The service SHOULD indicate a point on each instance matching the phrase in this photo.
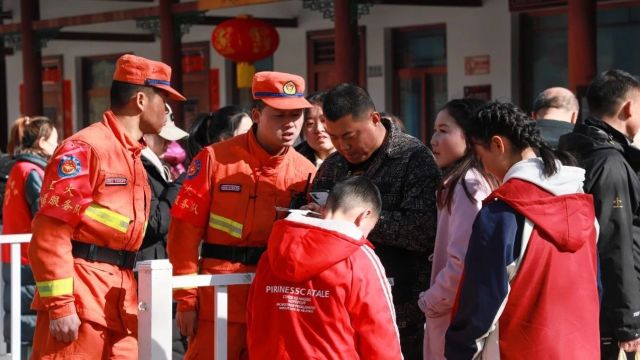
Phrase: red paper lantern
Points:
(245, 40)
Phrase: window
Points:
(97, 75)
(544, 47)
(420, 77)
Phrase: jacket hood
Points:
(301, 247)
(562, 214)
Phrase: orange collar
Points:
(130, 144)
(265, 159)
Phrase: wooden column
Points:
(31, 58)
(4, 109)
(171, 50)
(582, 44)
(346, 46)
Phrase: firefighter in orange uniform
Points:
(229, 200)
(93, 213)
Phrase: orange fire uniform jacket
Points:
(229, 198)
(94, 191)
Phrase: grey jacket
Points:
(407, 176)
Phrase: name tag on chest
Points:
(116, 181)
(230, 188)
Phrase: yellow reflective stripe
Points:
(227, 225)
(107, 217)
(55, 287)
(186, 288)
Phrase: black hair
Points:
(354, 191)
(508, 120)
(346, 99)
(121, 93)
(608, 90)
(544, 101)
(316, 99)
(258, 104)
(462, 111)
(210, 128)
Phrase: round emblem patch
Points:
(69, 166)
(289, 88)
(194, 169)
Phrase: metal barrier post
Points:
(16, 282)
(154, 309)
(220, 294)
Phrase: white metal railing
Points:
(155, 285)
(16, 282)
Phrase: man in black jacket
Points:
(404, 170)
(602, 145)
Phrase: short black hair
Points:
(608, 90)
(346, 99)
(352, 192)
(121, 93)
(258, 104)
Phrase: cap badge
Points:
(289, 88)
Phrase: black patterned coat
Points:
(407, 176)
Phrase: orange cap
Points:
(140, 71)
(279, 90)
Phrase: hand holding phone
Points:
(319, 197)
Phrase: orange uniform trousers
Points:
(94, 342)
(201, 345)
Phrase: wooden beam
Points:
(109, 16)
(277, 22)
(431, 2)
(103, 36)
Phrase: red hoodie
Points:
(320, 292)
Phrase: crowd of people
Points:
(511, 236)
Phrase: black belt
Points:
(91, 252)
(243, 254)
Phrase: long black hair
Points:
(462, 111)
(510, 121)
(210, 128)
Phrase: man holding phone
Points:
(404, 170)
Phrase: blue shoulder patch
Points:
(69, 166)
(194, 169)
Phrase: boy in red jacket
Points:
(320, 290)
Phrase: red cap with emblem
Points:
(279, 90)
(140, 71)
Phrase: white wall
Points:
(470, 31)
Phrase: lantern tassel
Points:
(244, 74)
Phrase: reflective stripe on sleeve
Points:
(107, 217)
(226, 225)
(55, 287)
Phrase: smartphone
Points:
(319, 197)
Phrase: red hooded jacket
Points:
(320, 292)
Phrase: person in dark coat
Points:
(555, 111)
(602, 145)
(407, 175)
(164, 191)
